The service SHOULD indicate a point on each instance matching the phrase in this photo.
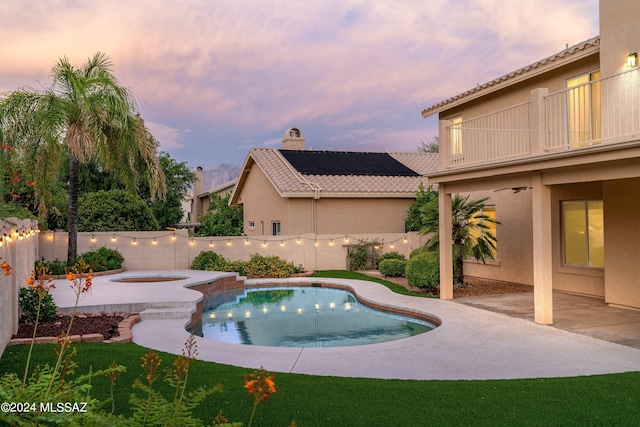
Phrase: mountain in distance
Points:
(220, 174)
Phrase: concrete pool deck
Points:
(471, 343)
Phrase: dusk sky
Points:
(214, 78)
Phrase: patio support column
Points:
(446, 244)
(542, 252)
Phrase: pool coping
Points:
(469, 344)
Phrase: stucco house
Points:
(296, 191)
(556, 147)
(201, 200)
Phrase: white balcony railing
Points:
(598, 112)
(603, 111)
(498, 136)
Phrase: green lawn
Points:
(324, 401)
(344, 274)
(333, 401)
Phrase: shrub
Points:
(268, 266)
(392, 255)
(364, 255)
(103, 259)
(417, 251)
(423, 270)
(393, 267)
(209, 261)
(55, 267)
(28, 304)
(238, 266)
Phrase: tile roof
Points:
(569, 51)
(289, 182)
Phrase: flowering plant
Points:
(260, 385)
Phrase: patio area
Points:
(471, 343)
(579, 314)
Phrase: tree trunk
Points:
(72, 213)
(459, 271)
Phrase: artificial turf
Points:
(322, 401)
(335, 401)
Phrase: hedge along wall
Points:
(166, 250)
(19, 249)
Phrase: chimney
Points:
(293, 140)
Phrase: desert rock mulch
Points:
(477, 287)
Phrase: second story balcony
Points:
(586, 114)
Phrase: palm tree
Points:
(86, 110)
(469, 230)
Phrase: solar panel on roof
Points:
(345, 163)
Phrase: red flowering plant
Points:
(41, 282)
(260, 385)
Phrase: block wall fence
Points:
(19, 249)
(168, 250)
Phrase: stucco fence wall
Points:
(19, 249)
(163, 250)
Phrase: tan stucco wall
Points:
(262, 204)
(514, 260)
(351, 216)
(20, 254)
(622, 256)
(326, 252)
(619, 34)
(152, 249)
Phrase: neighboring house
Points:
(202, 199)
(293, 191)
(556, 147)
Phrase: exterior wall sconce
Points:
(632, 60)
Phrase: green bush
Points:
(268, 266)
(209, 261)
(28, 304)
(103, 259)
(392, 255)
(257, 266)
(423, 270)
(237, 266)
(416, 251)
(55, 267)
(393, 267)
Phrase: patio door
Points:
(584, 123)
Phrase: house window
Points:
(456, 135)
(483, 227)
(252, 224)
(584, 125)
(275, 228)
(583, 233)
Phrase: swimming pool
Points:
(302, 317)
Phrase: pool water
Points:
(303, 317)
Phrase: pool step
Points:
(166, 313)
